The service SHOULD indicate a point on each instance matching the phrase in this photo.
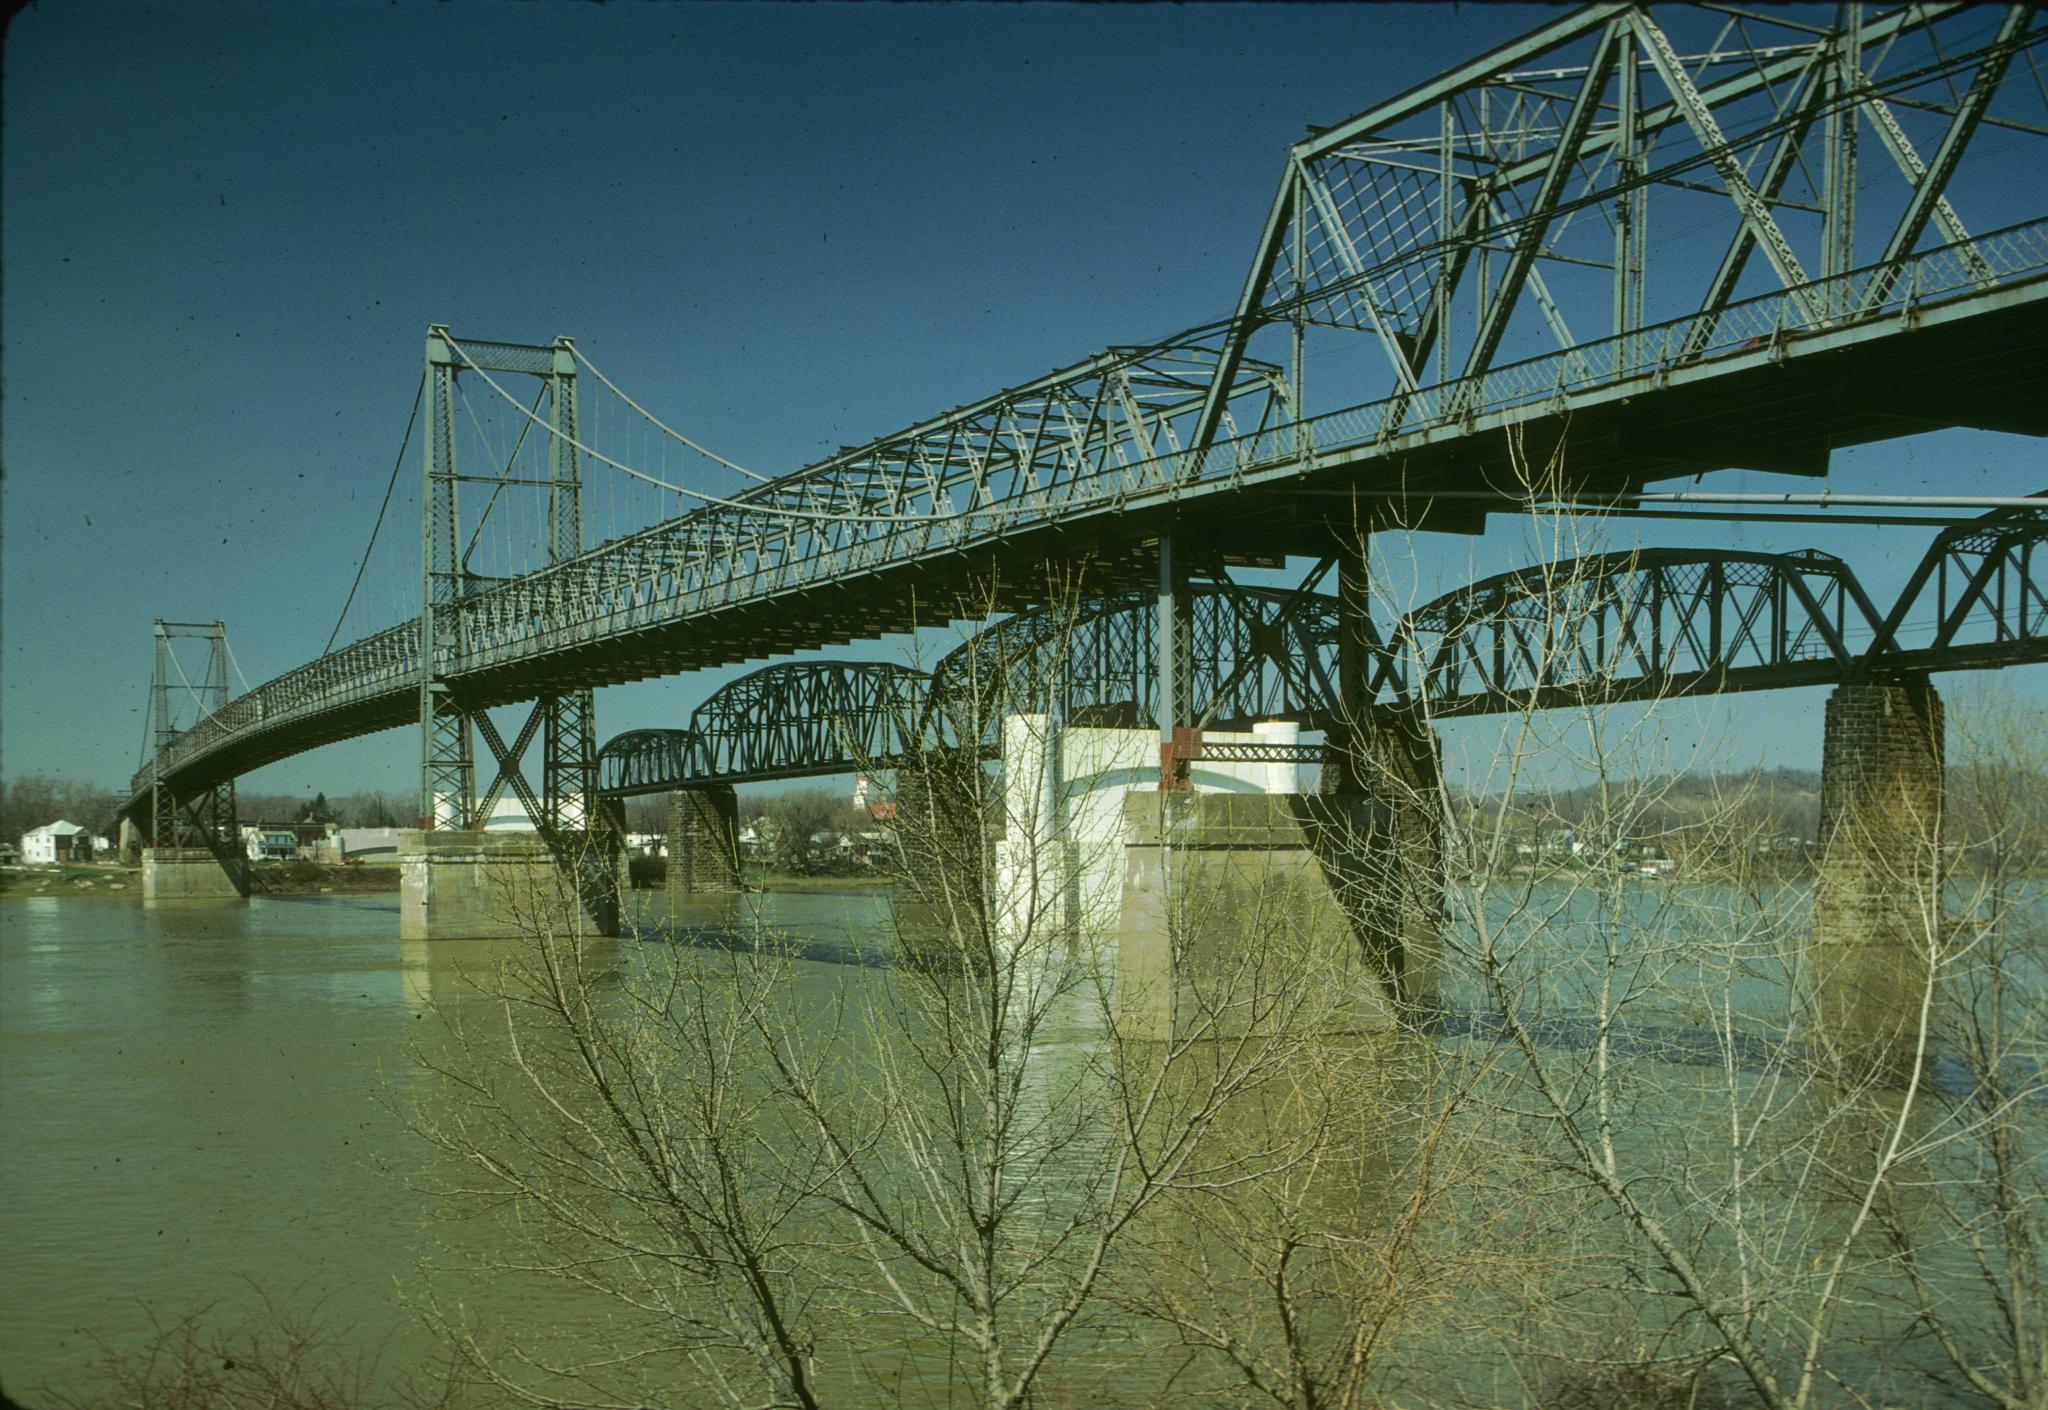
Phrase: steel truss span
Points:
(1610, 629)
(1660, 240)
(1670, 622)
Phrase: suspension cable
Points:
(505, 475)
(577, 353)
(389, 485)
(234, 663)
(748, 506)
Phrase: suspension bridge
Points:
(1626, 246)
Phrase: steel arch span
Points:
(1979, 597)
(1670, 622)
(790, 720)
(646, 761)
(1630, 626)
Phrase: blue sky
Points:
(784, 227)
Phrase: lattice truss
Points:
(1979, 596)
(787, 720)
(1086, 434)
(1249, 654)
(1629, 625)
(1631, 170)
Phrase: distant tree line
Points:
(31, 800)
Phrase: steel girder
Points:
(1669, 622)
(809, 717)
(784, 721)
(202, 818)
(647, 761)
(1979, 598)
(1514, 197)
(1618, 627)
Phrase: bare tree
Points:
(788, 1180)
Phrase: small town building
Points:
(269, 842)
(56, 842)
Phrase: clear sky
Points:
(783, 227)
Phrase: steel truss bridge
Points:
(1451, 291)
(1611, 629)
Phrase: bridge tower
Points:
(448, 724)
(564, 809)
(193, 849)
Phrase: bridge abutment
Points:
(703, 840)
(1877, 912)
(193, 874)
(457, 884)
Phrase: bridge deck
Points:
(684, 595)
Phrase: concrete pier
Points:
(703, 840)
(1877, 912)
(468, 885)
(193, 874)
(1238, 917)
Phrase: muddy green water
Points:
(196, 1103)
(190, 1106)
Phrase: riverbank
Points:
(86, 880)
(807, 883)
(266, 879)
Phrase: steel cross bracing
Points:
(201, 814)
(1695, 237)
(1652, 624)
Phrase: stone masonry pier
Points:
(1877, 911)
(471, 885)
(195, 874)
(703, 840)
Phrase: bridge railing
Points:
(719, 557)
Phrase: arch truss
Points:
(788, 720)
(1251, 653)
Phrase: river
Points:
(191, 1102)
(198, 1105)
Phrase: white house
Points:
(269, 844)
(55, 842)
